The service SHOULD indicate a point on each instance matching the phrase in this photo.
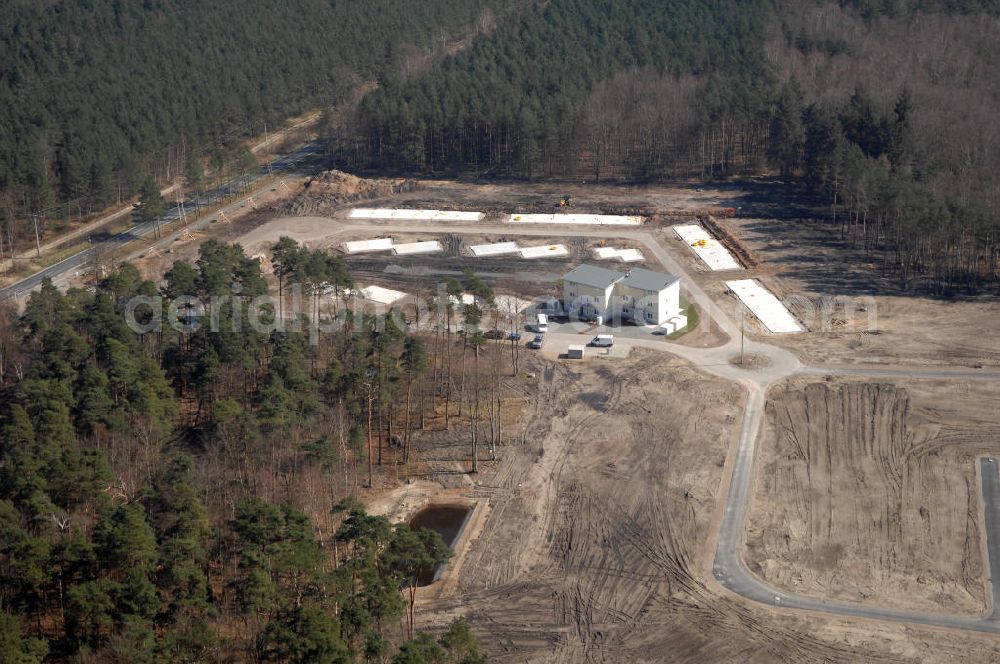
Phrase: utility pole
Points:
(266, 152)
(181, 212)
(38, 244)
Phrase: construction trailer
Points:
(575, 351)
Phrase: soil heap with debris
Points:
(334, 188)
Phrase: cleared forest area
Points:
(867, 493)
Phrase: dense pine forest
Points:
(507, 106)
(882, 108)
(172, 492)
(97, 94)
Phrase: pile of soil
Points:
(729, 241)
(334, 188)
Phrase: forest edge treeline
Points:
(591, 89)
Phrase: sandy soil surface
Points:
(805, 265)
(542, 196)
(597, 539)
(600, 529)
(241, 221)
(329, 233)
(867, 492)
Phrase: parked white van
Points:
(603, 340)
(541, 324)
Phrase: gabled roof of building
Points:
(648, 280)
(593, 276)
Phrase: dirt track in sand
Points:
(600, 526)
(866, 492)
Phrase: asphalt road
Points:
(78, 261)
(990, 474)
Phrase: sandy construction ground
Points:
(329, 233)
(600, 529)
(805, 264)
(596, 538)
(540, 196)
(867, 492)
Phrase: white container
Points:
(667, 328)
(425, 247)
(362, 246)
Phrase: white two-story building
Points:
(588, 289)
(647, 297)
(639, 295)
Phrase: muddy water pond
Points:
(446, 520)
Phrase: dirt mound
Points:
(334, 188)
(736, 247)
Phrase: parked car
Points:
(494, 334)
(514, 336)
(541, 324)
(603, 341)
(536, 343)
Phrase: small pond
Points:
(448, 521)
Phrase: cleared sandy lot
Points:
(867, 492)
(805, 265)
(600, 528)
